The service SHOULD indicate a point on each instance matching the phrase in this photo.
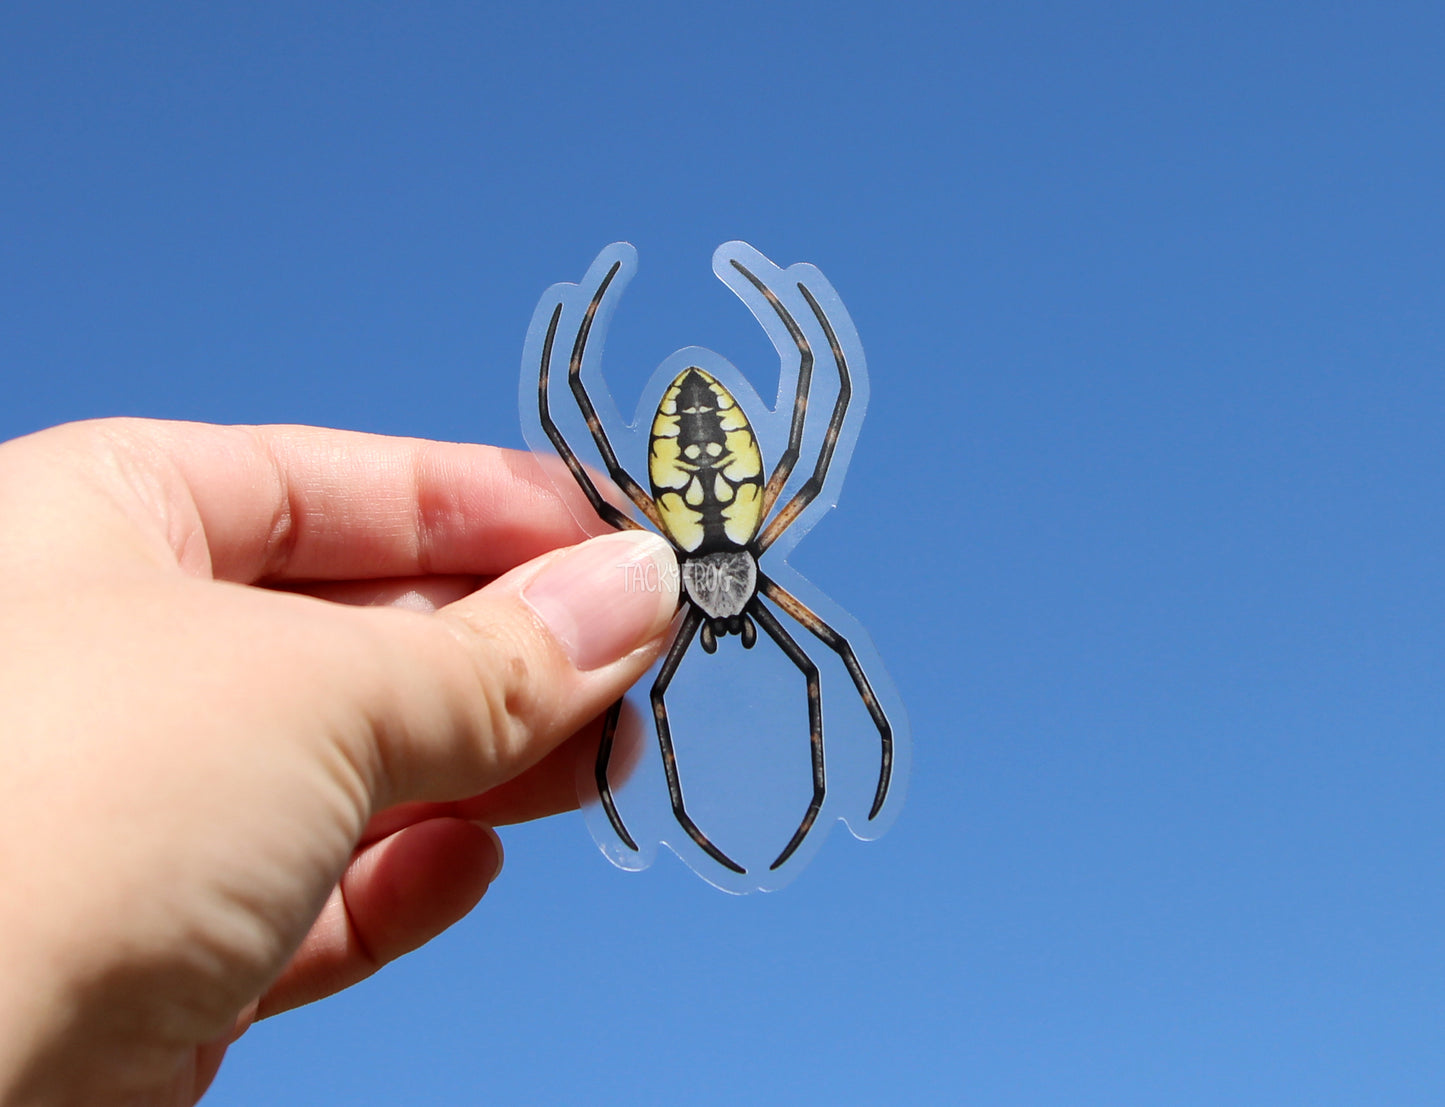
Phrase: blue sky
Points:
(1145, 517)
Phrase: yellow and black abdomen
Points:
(705, 466)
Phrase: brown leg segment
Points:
(619, 475)
(789, 459)
(664, 738)
(814, 484)
(839, 645)
(769, 622)
(608, 512)
(604, 786)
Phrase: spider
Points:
(710, 500)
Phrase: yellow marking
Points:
(684, 526)
(722, 489)
(733, 419)
(693, 495)
(664, 464)
(743, 515)
(743, 461)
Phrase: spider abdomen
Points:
(705, 467)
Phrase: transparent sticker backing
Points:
(770, 717)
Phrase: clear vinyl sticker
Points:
(770, 716)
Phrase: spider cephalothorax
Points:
(713, 500)
(721, 585)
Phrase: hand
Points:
(222, 796)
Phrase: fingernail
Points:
(607, 596)
(501, 853)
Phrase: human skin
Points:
(263, 693)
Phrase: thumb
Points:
(489, 685)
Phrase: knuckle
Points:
(506, 706)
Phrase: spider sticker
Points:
(732, 485)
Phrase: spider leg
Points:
(774, 629)
(664, 738)
(789, 459)
(839, 645)
(620, 476)
(604, 787)
(608, 512)
(814, 484)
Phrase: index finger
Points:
(286, 503)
